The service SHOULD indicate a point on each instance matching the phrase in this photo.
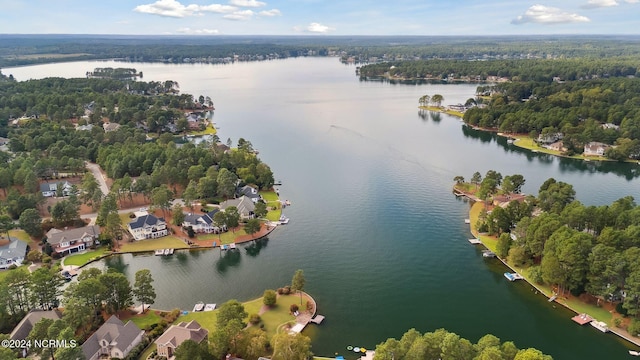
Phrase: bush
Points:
(621, 310)
(293, 308)
(254, 319)
(286, 290)
(190, 232)
(280, 291)
(269, 297)
(536, 275)
(634, 327)
(309, 305)
(34, 256)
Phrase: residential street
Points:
(95, 169)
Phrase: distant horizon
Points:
(326, 17)
(325, 35)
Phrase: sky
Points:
(324, 17)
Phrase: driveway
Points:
(97, 173)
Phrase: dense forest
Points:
(31, 49)
(578, 248)
(445, 345)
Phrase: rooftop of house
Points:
(144, 221)
(56, 236)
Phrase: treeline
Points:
(577, 109)
(540, 70)
(444, 345)
(578, 248)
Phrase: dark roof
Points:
(22, 330)
(114, 331)
(56, 237)
(146, 220)
(247, 191)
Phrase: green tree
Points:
(177, 215)
(76, 315)
(291, 347)
(269, 297)
(260, 209)
(45, 287)
(143, 288)
(191, 350)
(298, 282)
(232, 217)
(40, 331)
(531, 354)
(458, 179)
(252, 226)
(6, 224)
(476, 178)
(109, 205)
(227, 182)
(118, 292)
(190, 194)
(220, 220)
(162, 197)
(230, 310)
(31, 222)
(114, 226)
(437, 99)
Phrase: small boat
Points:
(198, 307)
(209, 307)
(600, 325)
(466, 221)
(284, 220)
(488, 254)
(513, 276)
(287, 202)
(634, 353)
(510, 141)
(159, 252)
(170, 252)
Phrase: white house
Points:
(12, 253)
(51, 189)
(595, 148)
(113, 339)
(201, 223)
(148, 227)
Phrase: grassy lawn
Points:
(272, 200)
(274, 215)
(466, 187)
(210, 130)
(153, 244)
(20, 235)
(225, 238)
(81, 259)
(144, 321)
(272, 319)
(145, 354)
(269, 196)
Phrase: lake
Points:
(374, 225)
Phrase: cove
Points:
(374, 224)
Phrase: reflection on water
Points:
(256, 246)
(227, 259)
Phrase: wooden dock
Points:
(475, 241)
(467, 221)
(582, 319)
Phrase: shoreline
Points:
(477, 235)
(518, 138)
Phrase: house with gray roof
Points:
(50, 189)
(22, 330)
(250, 192)
(148, 226)
(201, 223)
(12, 253)
(113, 339)
(245, 206)
(175, 335)
(72, 241)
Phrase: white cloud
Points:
(240, 15)
(632, 1)
(173, 8)
(314, 27)
(593, 4)
(548, 15)
(247, 3)
(272, 12)
(190, 31)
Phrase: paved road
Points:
(95, 169)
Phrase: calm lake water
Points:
(374, 224)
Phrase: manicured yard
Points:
(225, 238)
(272, 200)
(165, 242)
(83, 258)
(210, 130)
(269, 196)
(20, 235)
(272, 319)
(144, 321)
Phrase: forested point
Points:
(442, 344)
(577, 249)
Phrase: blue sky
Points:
(329, 17)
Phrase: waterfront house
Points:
(148, 226)
(245, 206)
(167, 343)
(250, 192)
(113, 339)
(595, 148)
(550, 138)
(50, 189)
(556, 146)
(12, 253)
(109, 126)
(22, 330)
(201, 223)
(71, 241)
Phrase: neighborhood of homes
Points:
(115, 339)
(144, 226)
(553, 141)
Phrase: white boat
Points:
(513, 276)
(170, 252)
(488, 254)
(510, 141)
(209, 307)
(600, 325)
(634, 353)
(159, 252)
(284, 220)
(198, 307)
